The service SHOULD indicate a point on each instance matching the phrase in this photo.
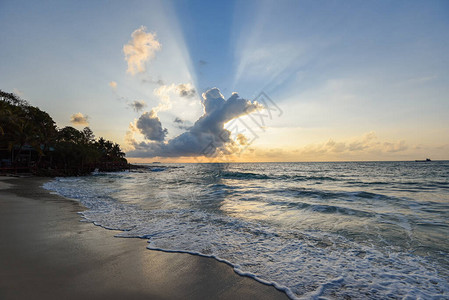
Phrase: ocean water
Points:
(355, 230)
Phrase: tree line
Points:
(30, 139)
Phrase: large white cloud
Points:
(140, 49)
(206, 135)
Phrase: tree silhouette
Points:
(66, 151)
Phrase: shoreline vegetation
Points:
(31, 143)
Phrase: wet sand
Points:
(47, 253)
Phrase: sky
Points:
(207, 81)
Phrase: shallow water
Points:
(333, 230)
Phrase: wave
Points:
(326, 209)
(243, 175)
(406, 186)
(144, 168)
(426, 185)
(157, 169)
(300, 192)
(249, 175)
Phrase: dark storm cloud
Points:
(150, 126)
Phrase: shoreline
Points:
(47, 252)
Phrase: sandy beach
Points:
(47, 253)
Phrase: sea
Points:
(338, 230)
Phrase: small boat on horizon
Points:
(426, 160)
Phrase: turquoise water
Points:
(316, 230)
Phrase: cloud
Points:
(182, 124)
(186, 90)
(150, 126)
(207, 135)
(149, 79)
(79, 119)
(242, 139)
(113, 85)
(395, 147)
(138, 105)
(164, 92)
(333, 146)
(17, 92)
(140, 49)
(368, 143)
(358, 148)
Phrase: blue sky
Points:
(355, 80)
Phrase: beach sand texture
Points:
(47, 253)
